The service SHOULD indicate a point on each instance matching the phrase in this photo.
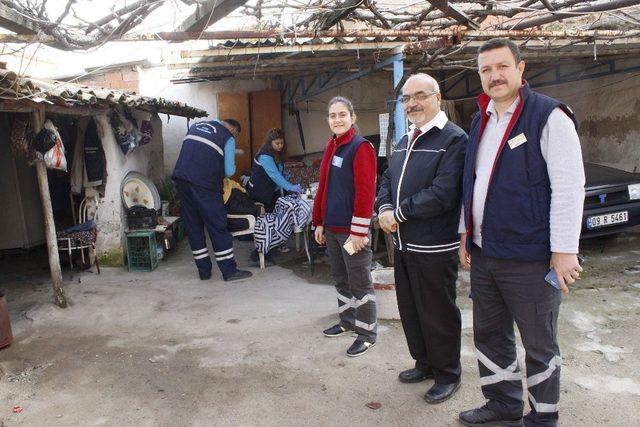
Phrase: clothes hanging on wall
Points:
(88, 168)
(93, 155)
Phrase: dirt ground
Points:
(164, 348)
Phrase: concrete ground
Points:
(164, 348)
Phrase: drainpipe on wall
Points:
(398, 116)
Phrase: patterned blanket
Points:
(275, 228)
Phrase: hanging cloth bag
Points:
(55, 157)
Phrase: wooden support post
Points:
(49, 226)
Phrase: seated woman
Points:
(266, 175)
(237, 202)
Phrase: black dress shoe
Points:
(484, 416)
(359, 347)
(414, 375)
(238, 275)
(441, 392)
(336, 331)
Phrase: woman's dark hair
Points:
(347, 103)
(267, 148)
(341, 99)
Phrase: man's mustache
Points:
(497, 82)
(414, 109)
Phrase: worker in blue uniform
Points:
(206, 157)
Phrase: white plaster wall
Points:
(111, 220)
(369, 96)
(607, 109)
(156, 82)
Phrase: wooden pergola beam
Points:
(558, 15)
(329, 47)
(266, 34)
(341, 11)
(260, 62)
(13, 107)
(453, 12)
(117, 14)
(12, 21)
(244, 74)
(209, 13)
(548, 5)
(270, 71)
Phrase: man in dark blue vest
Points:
(523, 195)
(419, 202)
(206, 157)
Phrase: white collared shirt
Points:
(439, 121)
(487, 150)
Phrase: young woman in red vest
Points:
(342, 211)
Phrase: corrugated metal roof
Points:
(279, 41)
(69, 95)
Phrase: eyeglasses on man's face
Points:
(418, 96)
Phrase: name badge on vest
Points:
(517, 141)
(337, 161)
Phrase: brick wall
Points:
(125, 78)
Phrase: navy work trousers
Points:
(200, 208)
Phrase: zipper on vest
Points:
(505, 137)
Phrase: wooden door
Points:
(265, 114)
(236, 106)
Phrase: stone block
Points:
(385, 288)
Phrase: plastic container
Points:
(6, 337)
(142, 251)
(141, 218)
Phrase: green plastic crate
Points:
(142, 253)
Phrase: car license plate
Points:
(607, 219)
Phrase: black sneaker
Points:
(238, 275)
(483, 416)
(336, 331)
(359, 347)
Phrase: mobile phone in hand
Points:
(551, 277)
